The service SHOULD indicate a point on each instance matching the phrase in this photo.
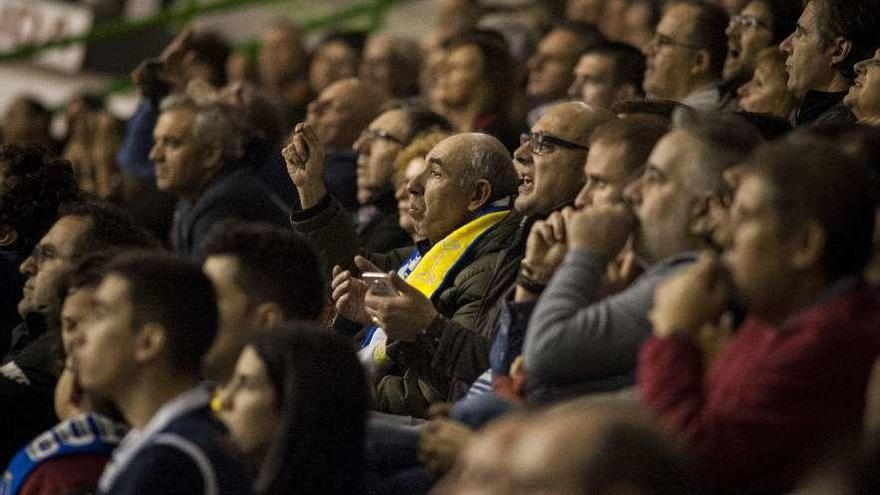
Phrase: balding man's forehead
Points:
(573, 120)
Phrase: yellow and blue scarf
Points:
(432, 272)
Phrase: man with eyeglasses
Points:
(377, 148)
(30, 369)
(760, 24)
(686, 56)
(582, 340)
(830, 38)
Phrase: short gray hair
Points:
(489, 160)
(215, 123)
(726, 139)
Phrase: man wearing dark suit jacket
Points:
(197, 151)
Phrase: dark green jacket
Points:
(451, 353)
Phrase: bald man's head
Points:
(343, 110)
(600, 450)
(550, 165)
(464, 174)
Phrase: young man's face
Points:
(235, 317)
(51, 258)
(809, 59)
(104, 357)
(550, 68)
(606, 173)
(594, 80)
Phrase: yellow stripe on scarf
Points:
(436, 263)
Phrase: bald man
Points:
(338, 116)
(460, 206)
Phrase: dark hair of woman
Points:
(321, 391)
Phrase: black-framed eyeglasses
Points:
(372, 134)
(660, 40)
(748, 21)
(541, 142)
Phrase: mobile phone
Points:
(379, 283)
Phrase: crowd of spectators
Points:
(621, 247)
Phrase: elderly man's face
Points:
(662, 200)
(377, 149)
(552, 177)
(594, 80)
(51, 259)
(331, 116)
(550, 68)
(332, 62)
(439, 201)
(460, 76)
(747, 34)
(809, 59)
(179, 157)
(864, 95)
(671, 55)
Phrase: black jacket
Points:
(235, 195)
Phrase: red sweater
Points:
(774, 395)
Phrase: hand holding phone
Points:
(379, 283)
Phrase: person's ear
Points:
(702, 62)
(807, 245)
(150, 342)
(699, 223)
(840, 50)
(8, 235)
(213, 158)
(267, 315)
(480, 195)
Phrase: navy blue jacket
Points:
(235, 195)
(184, 450)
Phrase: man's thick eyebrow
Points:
(435, 161)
